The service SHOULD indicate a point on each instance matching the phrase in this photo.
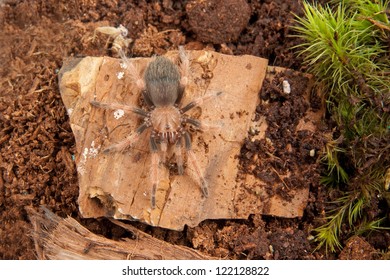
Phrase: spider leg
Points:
(199, 101)
(154, 176)
(194, 162)
(184, 67)
(200, 125)
(117, 106)
(184, 74)
(128, 141)
(179, 156)
(132, 70)
(164, 148)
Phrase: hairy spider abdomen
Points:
(166, 121)
(162, 81)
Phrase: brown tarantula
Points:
(163, 88)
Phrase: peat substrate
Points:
(37, 158)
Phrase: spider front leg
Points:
(194, 162)
(117, 106)
(128, 141)
(154, 174)
(179, 156)
(199, 101)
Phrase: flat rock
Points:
(117, 184)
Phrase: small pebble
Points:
(120, 75)
(286, 87)
(119, 114)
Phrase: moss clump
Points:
(346, 47)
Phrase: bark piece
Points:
(117, 184)
(56, 238)
(251, 186)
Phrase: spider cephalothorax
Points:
(163, 87)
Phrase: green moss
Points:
(346, 47)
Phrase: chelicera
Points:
(163, 87)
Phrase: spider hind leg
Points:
(194, 162)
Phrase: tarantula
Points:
(163, 87)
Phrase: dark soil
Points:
(37, 144)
